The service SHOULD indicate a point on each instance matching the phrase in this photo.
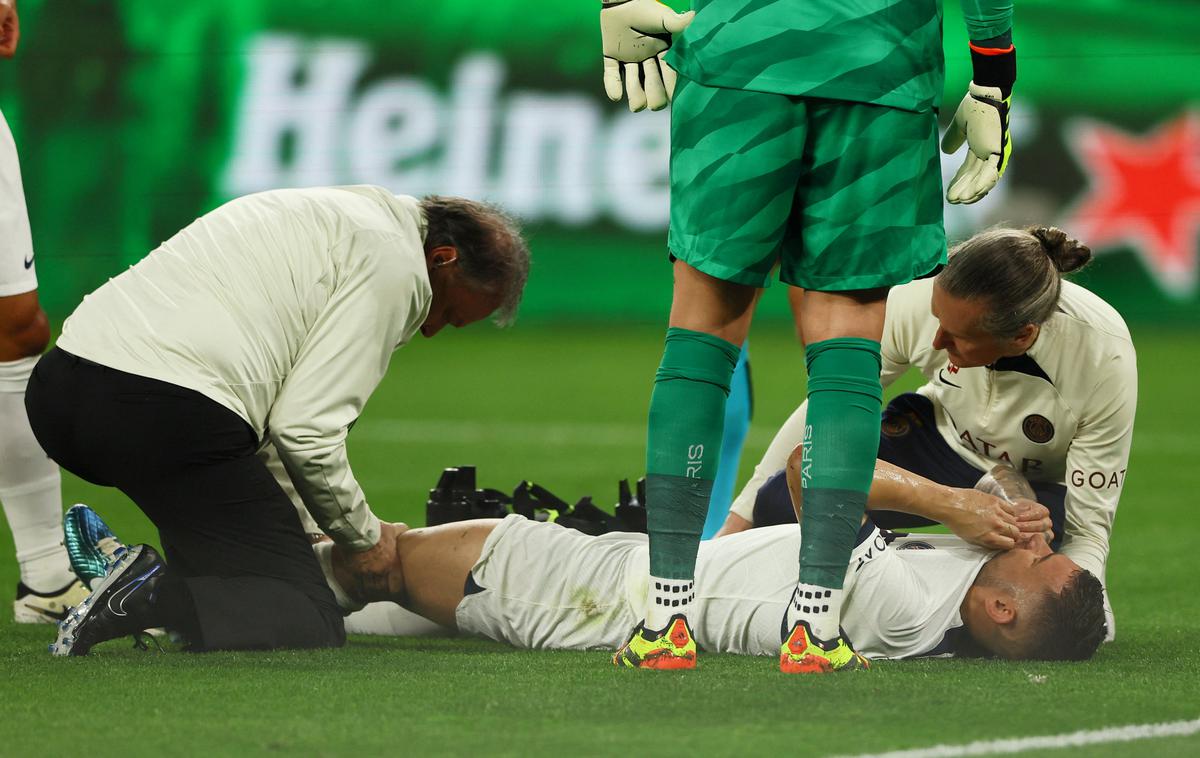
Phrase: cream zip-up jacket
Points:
(284, 307)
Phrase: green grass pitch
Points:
(566, 407)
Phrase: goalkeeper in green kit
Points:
(803, 135)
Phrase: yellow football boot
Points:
(803, 653)
(672, 648)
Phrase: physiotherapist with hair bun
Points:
(1021, 368)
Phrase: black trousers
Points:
(228, 531)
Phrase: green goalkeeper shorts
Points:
(842, 195)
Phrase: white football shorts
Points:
(17, 273)
(585, 605)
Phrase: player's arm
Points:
(635, 35)
(907, 313)
(975, 516)
(341, 361)
(982, 117)
(1097, 462)
(741, 510)
(734, 523)
(10, 28)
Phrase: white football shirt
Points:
(543, 586)
(903, 594)
(284, 307)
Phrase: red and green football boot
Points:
(673, 647)
(804, 653)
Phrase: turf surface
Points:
(566, 407)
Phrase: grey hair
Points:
(492, 254)
(1018, 271)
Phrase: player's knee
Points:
(796, 460)
(37, 337)
(24, 333)
(795, 466)
(851, 313)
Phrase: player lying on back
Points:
(541, 586)
(993, 588)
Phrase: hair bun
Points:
(1065, 253)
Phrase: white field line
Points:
(1048, 742)
(603, 434)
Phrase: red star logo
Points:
(1144, 193)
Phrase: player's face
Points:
(10, 28)
(959, 332)
(454, 302)
(1034, 567)
(460, 307)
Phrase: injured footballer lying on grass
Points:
(994, 588)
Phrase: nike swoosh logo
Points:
(997, 104)
(126, 591)
(56, 615)
(29, 262)
(944, 380)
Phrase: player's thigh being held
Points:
(435, 562)
(24, 329)
(704, 303)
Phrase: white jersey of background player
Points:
(30, 484)
(900, 603)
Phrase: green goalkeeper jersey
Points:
(884, 52)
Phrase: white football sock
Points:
(667, 597)
(821, 607)
(30, 488)
(392, 620)
(324, 553)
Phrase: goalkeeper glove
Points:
(982, 120)
(635, 35)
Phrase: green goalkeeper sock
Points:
(841, 443)
(687, 416)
